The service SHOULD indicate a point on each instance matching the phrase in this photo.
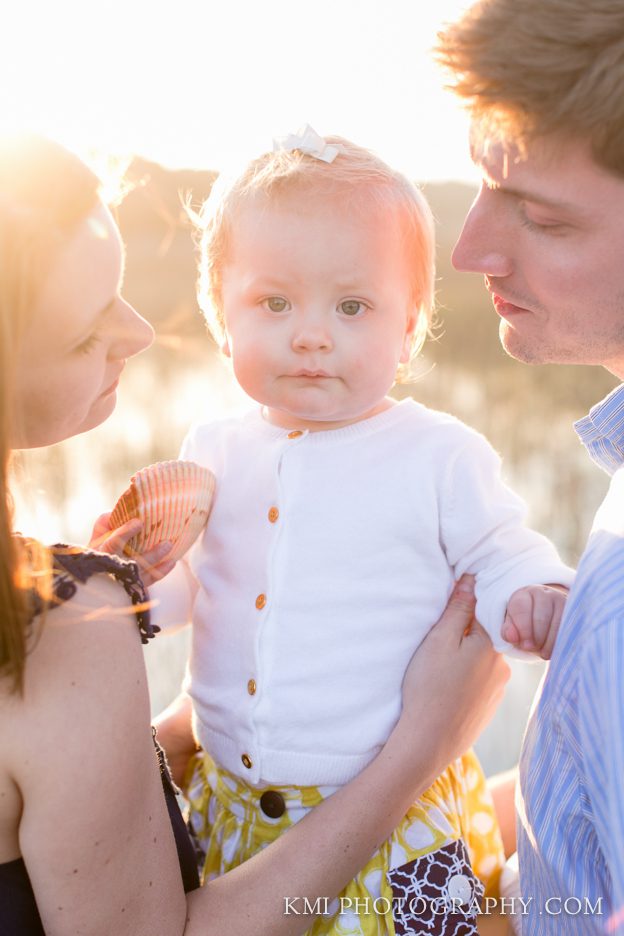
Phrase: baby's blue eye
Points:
(276, 303)
(351, 307)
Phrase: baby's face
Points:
(317, 308)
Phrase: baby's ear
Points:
(406, 350)
(224, 347)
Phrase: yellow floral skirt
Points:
(427, 878)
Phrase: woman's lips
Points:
(112, 388)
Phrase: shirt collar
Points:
(602, 431)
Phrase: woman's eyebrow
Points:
(104, 312)
(92, 326)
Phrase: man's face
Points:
(547, 232)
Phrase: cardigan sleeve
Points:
(483, 533)
(174, 596)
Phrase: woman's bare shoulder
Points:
(85, 664)
(93, 828)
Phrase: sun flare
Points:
(187, 86)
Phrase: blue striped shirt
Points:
(571, 793)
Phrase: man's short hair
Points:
(529, 68)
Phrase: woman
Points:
(86, 843)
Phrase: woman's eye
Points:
(88, 344)
(352, 307)
(275, 303)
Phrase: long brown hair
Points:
(45, 191)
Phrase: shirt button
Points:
(272, 804)
(251, 687)
(246, 759)
(260, 602)
(459, 889)
(273, 514)
(295, 434)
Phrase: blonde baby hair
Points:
(356, 172)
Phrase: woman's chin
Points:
(100, 411)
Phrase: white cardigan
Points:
(327, 558)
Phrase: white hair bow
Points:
(309, 142)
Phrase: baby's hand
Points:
(533, 617)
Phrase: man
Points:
(544, 81)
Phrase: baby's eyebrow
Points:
(348, 284)
(263, 281)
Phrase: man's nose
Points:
(482, 246)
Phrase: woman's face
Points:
(78, 339)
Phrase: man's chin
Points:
(521, 350)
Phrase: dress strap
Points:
(73, 564)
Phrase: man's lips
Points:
(507, 309)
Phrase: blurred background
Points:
(199, 85)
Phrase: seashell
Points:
(173, 501)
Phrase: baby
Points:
(340, 523)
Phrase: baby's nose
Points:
(312, 334)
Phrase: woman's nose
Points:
(131, 332)
(482, 246)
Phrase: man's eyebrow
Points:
(535, 198)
